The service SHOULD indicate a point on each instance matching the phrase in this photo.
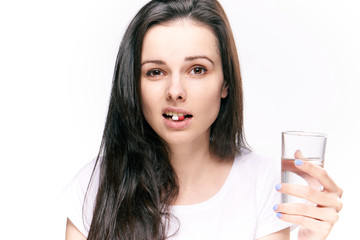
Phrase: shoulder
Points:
(257, 170)
(252, 160)
(260, 174)
(80, 194)
(84, 174)
(81, 181)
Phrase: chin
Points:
(185, 138)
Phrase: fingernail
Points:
(275, 207)
(278, 186)
(279, 215)
(299, 162)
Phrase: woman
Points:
(173, 163)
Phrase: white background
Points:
(300, 65)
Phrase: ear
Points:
(224, 91)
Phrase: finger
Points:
(317, 172)
(307, 210)
(325, 199)
(320, 227)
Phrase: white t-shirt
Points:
(242, 209)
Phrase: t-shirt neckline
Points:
(201, 205)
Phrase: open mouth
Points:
(176, 116)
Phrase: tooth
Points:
(175, 116)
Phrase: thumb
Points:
(298, 155)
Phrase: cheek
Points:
(209, 100)
(149, 100)
(210, 94)
(145, 104)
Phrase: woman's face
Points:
(181, 81)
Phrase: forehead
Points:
(179, 38)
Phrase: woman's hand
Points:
(316, 220)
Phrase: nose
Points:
(176, 91)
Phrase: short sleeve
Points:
(77, 207)
(267, 197)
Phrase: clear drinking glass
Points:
(312, 146)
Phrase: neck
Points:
(188, 160)
(200, 174)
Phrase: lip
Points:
(178, 110)
(177, 125)
(180, 124)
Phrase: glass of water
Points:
(312, 146)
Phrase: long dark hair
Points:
(137, 182)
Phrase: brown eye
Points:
(198, 71)
(154, 73)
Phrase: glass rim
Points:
(304, 134)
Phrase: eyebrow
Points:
(192, 58)
(199, 57)
(153, 61)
